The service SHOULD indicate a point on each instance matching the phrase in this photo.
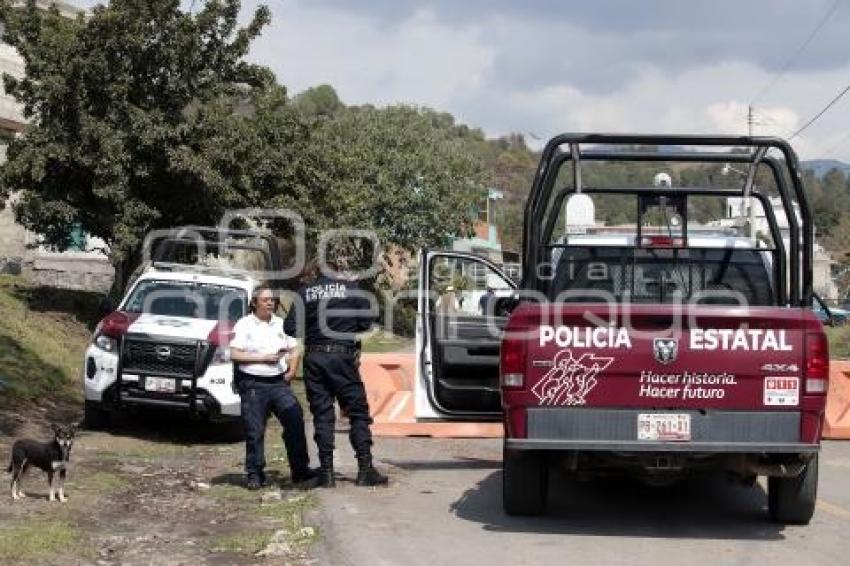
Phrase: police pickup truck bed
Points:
(662, 352)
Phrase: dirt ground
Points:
(155, 489)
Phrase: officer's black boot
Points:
(367, 475)
(326, 471)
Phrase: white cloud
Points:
(417, 61)
(540, 69)
(419, 58)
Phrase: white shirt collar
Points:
(258, 320)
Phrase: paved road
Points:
(444, 507)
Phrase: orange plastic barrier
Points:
(837, 422)
(389, 379)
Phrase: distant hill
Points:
(823, 166)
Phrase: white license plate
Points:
(160, 384)
(664, 427)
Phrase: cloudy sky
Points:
(545, 66)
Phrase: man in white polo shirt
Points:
(264, 363)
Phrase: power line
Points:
(822, 112)
(799, 50)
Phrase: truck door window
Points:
(463, 286)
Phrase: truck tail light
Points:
(817, 363)
(512, 362)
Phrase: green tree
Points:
(319, 100)
(405, 173)
(141, 116)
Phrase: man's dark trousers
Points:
(259, 398)
(330, 376)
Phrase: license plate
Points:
(664, 427)
(160, 384)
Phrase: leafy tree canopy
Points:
(128, 110)
(398, 171)
(143, 116)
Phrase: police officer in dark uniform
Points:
(334, 310)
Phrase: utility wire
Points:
(822, 112)
(799, 50)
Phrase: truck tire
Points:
(525, 482)
(95, 417)
(792, 500)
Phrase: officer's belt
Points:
(267, 379)
(335, 348)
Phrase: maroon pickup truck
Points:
(669, 342)
(667, 350)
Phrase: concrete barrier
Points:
(389, 380)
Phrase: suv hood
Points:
(119, 323)
(172, 326)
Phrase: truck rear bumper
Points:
(641, 446)
(616, 430)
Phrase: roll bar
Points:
(619, 147)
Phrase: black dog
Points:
(49, 456)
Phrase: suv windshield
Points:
(638, 275)
(187, 299)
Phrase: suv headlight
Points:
(106, 343)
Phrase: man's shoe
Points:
(370, 477)
(307, 479)
(253, 483)
(326, 478)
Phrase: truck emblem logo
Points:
(665, 349)
(570, 379)
(163, 353)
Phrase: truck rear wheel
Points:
(525, 482)
(792, 500)
(95, 417)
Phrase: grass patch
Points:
(286, 515)
(839, 341)
(37, 540)
(150, 451)
(241, 543)
(290, 512)
(227, 493)
(99, 482)
(41, 353)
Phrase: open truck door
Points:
(460, 318)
